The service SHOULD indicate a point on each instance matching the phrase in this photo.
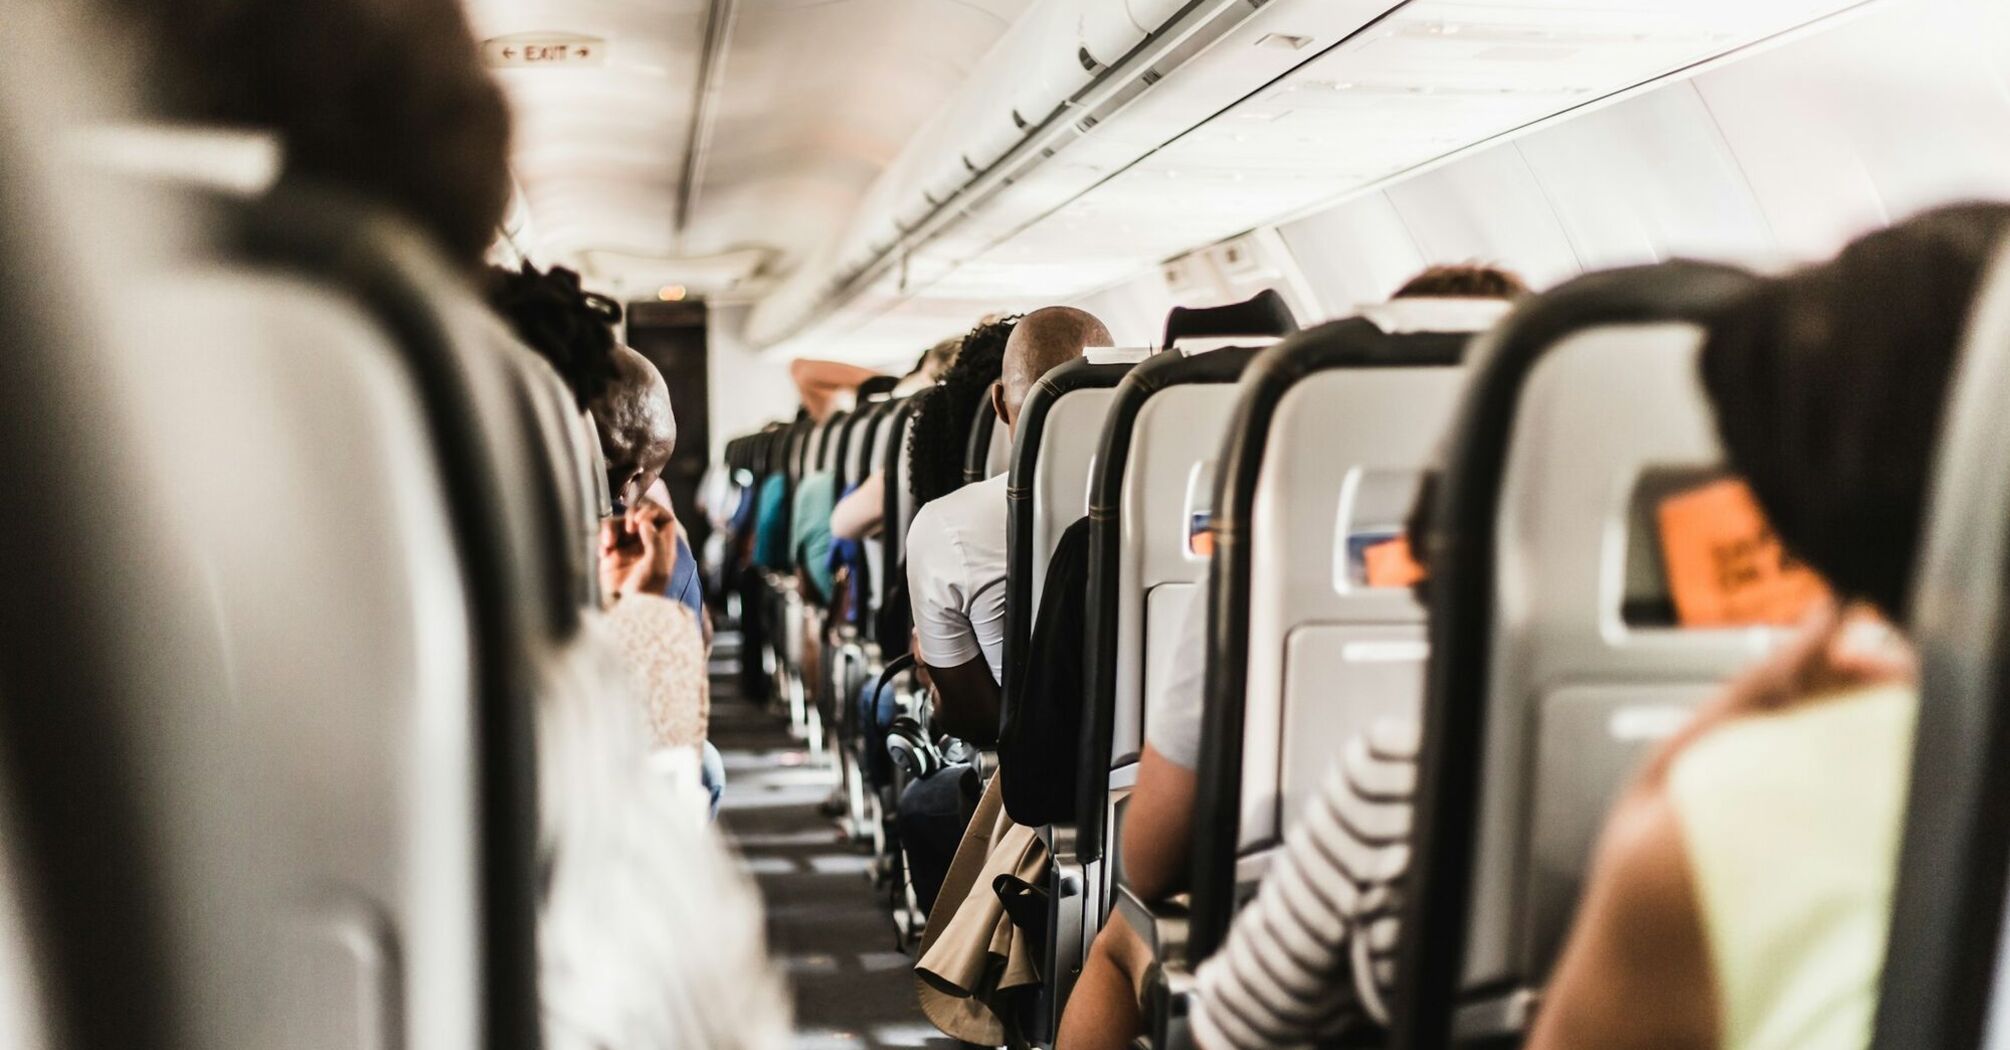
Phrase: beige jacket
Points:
(971, 954)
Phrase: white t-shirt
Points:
(1172, 718)
(956, 576)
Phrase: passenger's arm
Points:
(1635, 971)
(858, 515)
(1158, 827)
(821, 383)
(967, 700)
(1286, 975)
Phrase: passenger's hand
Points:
(638, 552)
(1827, 655)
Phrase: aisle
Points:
(853, 988)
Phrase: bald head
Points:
(1041, 342)
(638, 428)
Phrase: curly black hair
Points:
(568, 326)
(940, 435)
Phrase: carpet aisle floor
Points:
(827, 926)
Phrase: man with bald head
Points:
(638, 428)
(574, 331)
(956, 545)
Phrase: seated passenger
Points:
(1741, 892)
(1158, 827)
(859, 514)
(810, 534)
(956, 545)
(642, 547)
(940, 432)
(933, 812)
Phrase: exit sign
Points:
(534, 50)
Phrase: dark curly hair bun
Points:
(940, 434)
(569, 326)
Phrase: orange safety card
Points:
(1726, 567)
(1389, 564)
(1200, 534)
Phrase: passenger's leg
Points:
(933, 813)
(1102, 1011)
(875, 715)
(753, 637)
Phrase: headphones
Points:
(908, 745)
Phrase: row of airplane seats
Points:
(1519, 667)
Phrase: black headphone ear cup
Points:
(908, 745)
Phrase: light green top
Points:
(810, 529)
(1791, 822)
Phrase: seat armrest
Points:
(1168, 986)
(1161, 926)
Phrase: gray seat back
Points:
(1944, 982)
(900, 503)
(309, 659)
(1328, 653)
(829, 433)
(864, 430)
(352, 671)
(998, 454)
(981, 454)
(1332, 431)
(1053, 449)
(507, 519)
(127, 865)
(1542, 695)
(886, 448)
(577, 473)
(1164, 431)
(1151, 480)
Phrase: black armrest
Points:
(1168, 986)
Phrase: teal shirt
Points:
(810, 530)
(771, 524)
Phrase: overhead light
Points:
(672, 293)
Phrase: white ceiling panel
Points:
(815, 98)
(1846, 132)
(1487, 208)
(1354, 254)
(1646, 180)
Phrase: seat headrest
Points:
(1264, 314)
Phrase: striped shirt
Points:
(1316, 949)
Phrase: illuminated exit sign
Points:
(533, 50)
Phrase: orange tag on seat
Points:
(1726, 567)
(1389, 564)
(1200, 534)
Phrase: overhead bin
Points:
(1109, 31)
(1050, 69)
(1035, 69)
